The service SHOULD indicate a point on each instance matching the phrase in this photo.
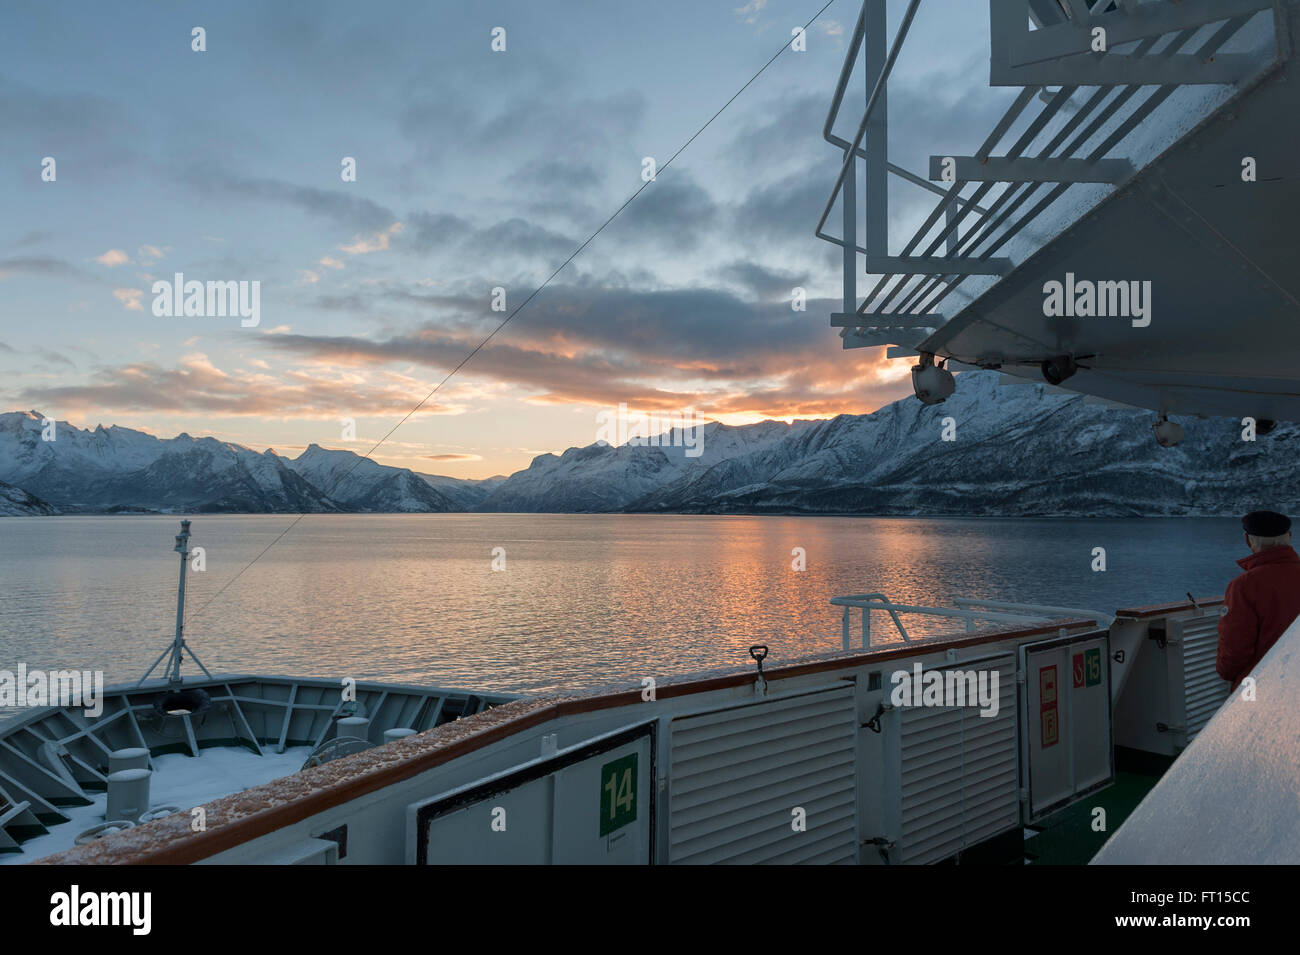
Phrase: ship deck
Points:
(718, 758)
(1067, 837)
(178, 780)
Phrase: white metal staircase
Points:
(1096, 76)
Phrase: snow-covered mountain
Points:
(207, 475)
(115, 469)
(14, 501)
(601, 477)
(465, 493)
(1015, 450)
(988, 450)
(118, 468)
(363, 485)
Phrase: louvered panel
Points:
(959, 774)
(738, 773)
(699, 820)
(1203, 689)
(770, 837)
(756, 765)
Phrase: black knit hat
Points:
(1266, 524)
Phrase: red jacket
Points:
(1259, 605)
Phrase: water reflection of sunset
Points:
(583, 599)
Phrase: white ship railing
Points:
(700, 745)
(967, 609)
(1103, 619)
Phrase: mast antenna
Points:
(178, 646)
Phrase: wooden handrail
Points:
(242, 817)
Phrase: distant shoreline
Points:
(199, 515)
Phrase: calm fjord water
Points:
(584, 599)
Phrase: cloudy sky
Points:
(475, 170)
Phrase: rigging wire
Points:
(518, 308)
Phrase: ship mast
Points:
(178, 646)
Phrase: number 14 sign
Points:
(618, 785)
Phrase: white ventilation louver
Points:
(1195, 645)
(738, 775)
(959, 772)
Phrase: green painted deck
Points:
(1067, 837)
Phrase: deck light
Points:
(931, 383)
(1168, 433)
(1056, 370)
(182, 702)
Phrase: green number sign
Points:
(618, 793)
(1092, 664)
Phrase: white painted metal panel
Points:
(591, 803)
(1066, 721)
(1196, 689)
(959, 771)
(304, 852)
(739, 774)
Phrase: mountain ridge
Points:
(988, 450)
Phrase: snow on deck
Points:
(301, 794)
(178, 780)
(1233, 796)
(288, 792)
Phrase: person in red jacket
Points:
(1264, 601)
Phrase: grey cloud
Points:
(82, 130)
(790, 132)
(426, 230)
(787, 210)
(762, 282)
(54, 358)
(35, 237)
(194, 387)
(536, 122)
(518, 236)
(506, 239)
(821, 383)
(354, 213)
(673, 209)
(43, 266)
(701, 333)
(563, 175)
